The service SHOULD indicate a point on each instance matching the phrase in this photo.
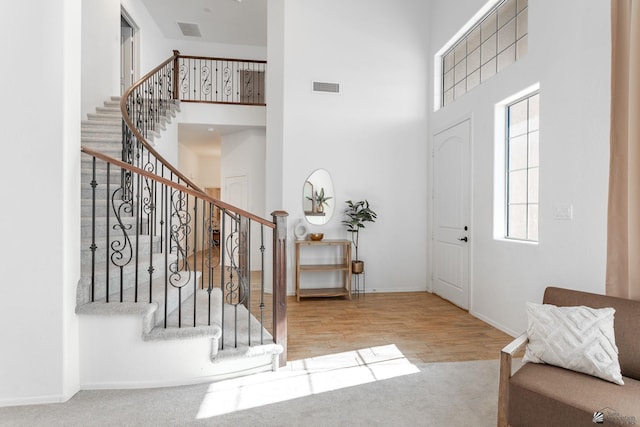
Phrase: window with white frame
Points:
(522, 168)
(495, 41)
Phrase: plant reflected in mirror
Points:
(317, 197)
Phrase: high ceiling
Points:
(239, 22)
(219, 21)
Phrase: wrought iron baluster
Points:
(262, 249)
(223, 263)
(138, 218)
(167, 247)
(203, 242)
(247, 276)
(195, 254)
(107, 245)
(93, 246)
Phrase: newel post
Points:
(280, 282)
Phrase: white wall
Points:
(205, 170)
(219, 50)
(100, 53)
(209, 172)
(275, 104)
(569, 55)
(39, 357)
(220, 114)
(243, 155)
(166, 143)
(371, 138)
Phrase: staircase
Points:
(137, 327)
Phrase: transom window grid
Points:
(522, 169)
(495, 42)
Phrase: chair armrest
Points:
(516, 345)
(506, 356)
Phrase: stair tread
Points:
(100, 124)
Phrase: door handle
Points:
(463, 239)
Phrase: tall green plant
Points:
(358, 213)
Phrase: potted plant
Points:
(358, 213)
(320, 200)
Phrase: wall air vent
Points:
(326, 87)
(189, 30)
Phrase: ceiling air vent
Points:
(326, 87)
(189, 30)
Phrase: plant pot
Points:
(357, 267)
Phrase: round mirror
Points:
(317, 197)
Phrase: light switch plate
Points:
(563, 211)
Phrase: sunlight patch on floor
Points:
(305, 377)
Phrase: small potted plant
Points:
(320, 200)
(358, 213)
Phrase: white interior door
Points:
(236, 191)
(127, 59)
(451, 194)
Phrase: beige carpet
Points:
(370, 387)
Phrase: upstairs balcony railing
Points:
(220, 80)
(157, 237)
(193, 79)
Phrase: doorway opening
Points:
(129, 54)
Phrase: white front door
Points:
(451, 214)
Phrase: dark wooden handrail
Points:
(219, 59)
(191, 191)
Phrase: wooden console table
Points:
(344, 266)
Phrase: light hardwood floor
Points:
(423, 326)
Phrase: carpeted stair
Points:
(102, 132)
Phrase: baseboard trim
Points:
(495, 324)
(132, 385)
(379, 290)
(34, 400)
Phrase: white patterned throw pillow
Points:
(577, 338)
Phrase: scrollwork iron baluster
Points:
(227, 78)
(180, 228)
(121, 247)
(205, 76)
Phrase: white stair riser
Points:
(105, 118)
(128, 273)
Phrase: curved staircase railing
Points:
(154, 237)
